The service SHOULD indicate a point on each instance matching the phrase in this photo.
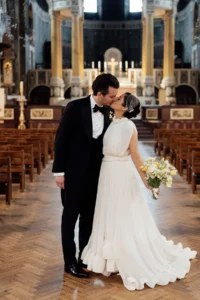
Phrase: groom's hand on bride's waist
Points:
(60, 181)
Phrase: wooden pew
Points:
(189, 161)
(6, 177)
(17, 165)
(183, 153)
(28, 158)
(195, 168)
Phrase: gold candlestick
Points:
(21, 101)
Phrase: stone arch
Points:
(186, 95)
(39, 95)
(113, 53)
(67, 93)
(156, 92)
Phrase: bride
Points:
(125, 238)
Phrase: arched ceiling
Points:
(43, 4)
(182, 4)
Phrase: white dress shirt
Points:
(97, 124)
(97, 120)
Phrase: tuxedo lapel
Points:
(106, 120)
(87, 117)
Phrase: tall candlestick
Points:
(126, 65)
(21, 88)
(22, 121)
(92, 64)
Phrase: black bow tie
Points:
(98, 108)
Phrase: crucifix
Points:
(113, 65)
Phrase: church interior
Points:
(50, 53)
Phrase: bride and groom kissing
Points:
(96, 167)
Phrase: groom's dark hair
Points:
(103, 82)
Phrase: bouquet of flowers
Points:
(158, 173)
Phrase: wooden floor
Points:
(31, 264)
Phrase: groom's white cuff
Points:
(59, 174)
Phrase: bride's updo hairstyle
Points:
(132, 104)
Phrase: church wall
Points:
(100, 36)
(117, 7)
(66, 35)
(35, 41)
(2, 24)
(184, 30)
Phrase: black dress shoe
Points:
(81, 264)
(76, 270)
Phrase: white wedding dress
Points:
(125, 238)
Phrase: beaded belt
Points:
(108, 158)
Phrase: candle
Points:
(99, 65)
(126, 64)
(132, 64)
(92, 64)
(120, 65)
(105, 66)
(21, 88)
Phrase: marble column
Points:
(148, 57)
(76, 90)
(81, 32)
(78, 81)
(57, 83)
(143, 45)
(168, 82)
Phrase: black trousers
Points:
(81, 203)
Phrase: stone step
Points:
(144, 132)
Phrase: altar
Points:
(126, 86)
(113, 64)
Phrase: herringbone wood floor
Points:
(31, 265)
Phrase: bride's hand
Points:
(150, 188)
(147, 186)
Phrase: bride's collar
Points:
(118, 120)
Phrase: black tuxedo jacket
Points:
(73, 142)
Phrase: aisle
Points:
(31, 265)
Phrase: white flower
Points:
(111, 115)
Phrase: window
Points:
(90, 6)
(135, 5)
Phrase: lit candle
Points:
(99, 65)
(92, 64)
(105, 66)
(132, 64)
(21, 88)
(126, 65)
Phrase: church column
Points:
(168, 82)
(57, 83)
(81, 32)
(148, 57)
(77, 55)
(143, 45)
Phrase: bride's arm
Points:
(136, 157)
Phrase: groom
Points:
(78, 157)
